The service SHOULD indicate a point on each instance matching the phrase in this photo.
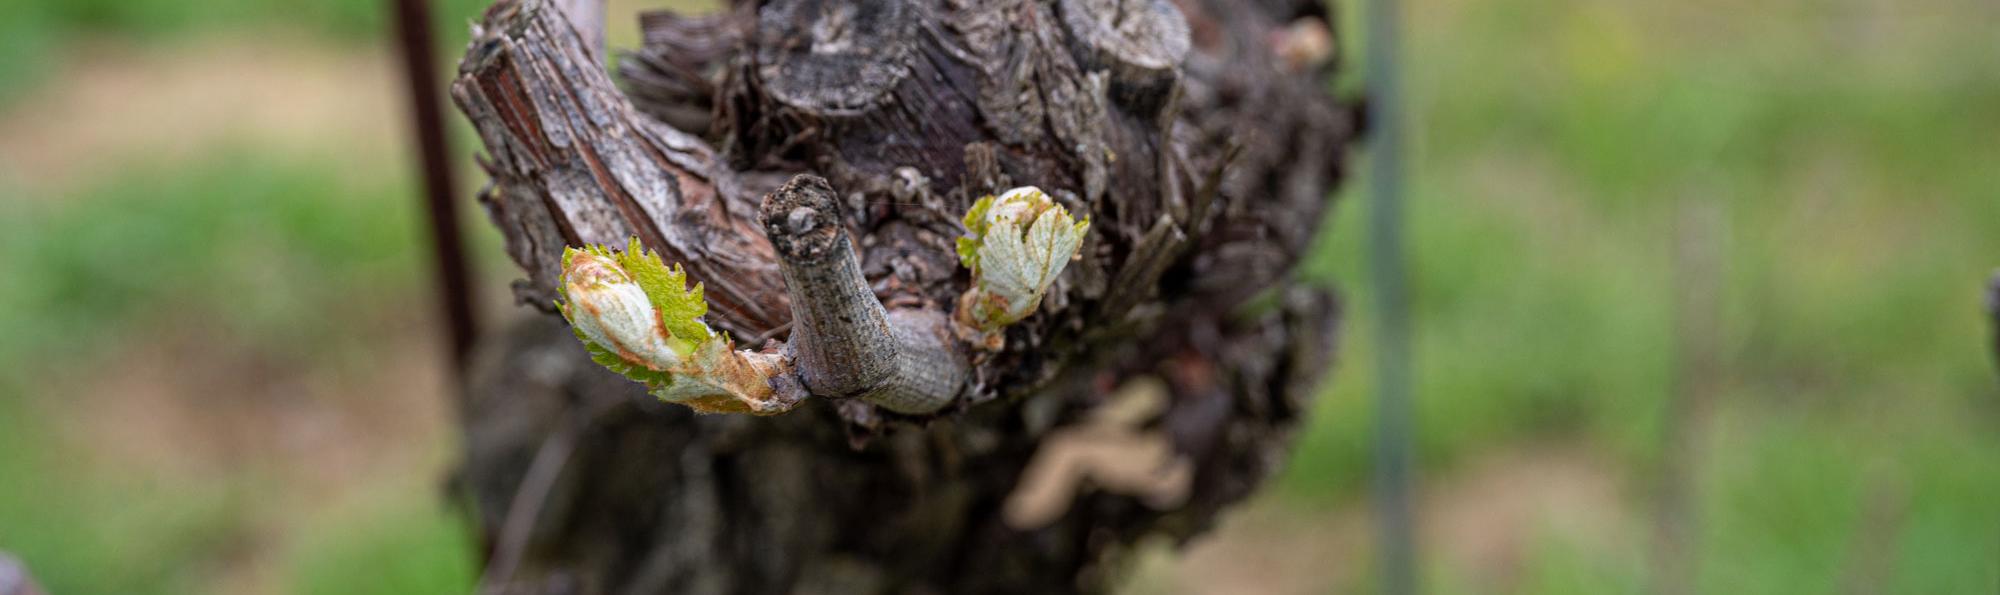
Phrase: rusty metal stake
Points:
(454, 283)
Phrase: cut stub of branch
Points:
(636, 317)
(1142, 45)
(844, 343)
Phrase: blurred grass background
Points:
(217, 369)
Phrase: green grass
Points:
(32, 32)
(85, 532)
(409, 548)
(266, 249)
(1851, 155)
(271, 252)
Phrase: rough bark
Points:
(1198, 136)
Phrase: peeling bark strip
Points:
(573, 164)
(911, 110)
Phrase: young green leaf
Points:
(636, 316)
(1016, 246)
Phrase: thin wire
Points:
(1387, 273)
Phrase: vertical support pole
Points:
(1388, 272)
(1993, 312)
(1699, 231)
(413, 25)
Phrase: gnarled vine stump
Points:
(1160, 381)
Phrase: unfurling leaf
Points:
(1017, 244)
(637, 317)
